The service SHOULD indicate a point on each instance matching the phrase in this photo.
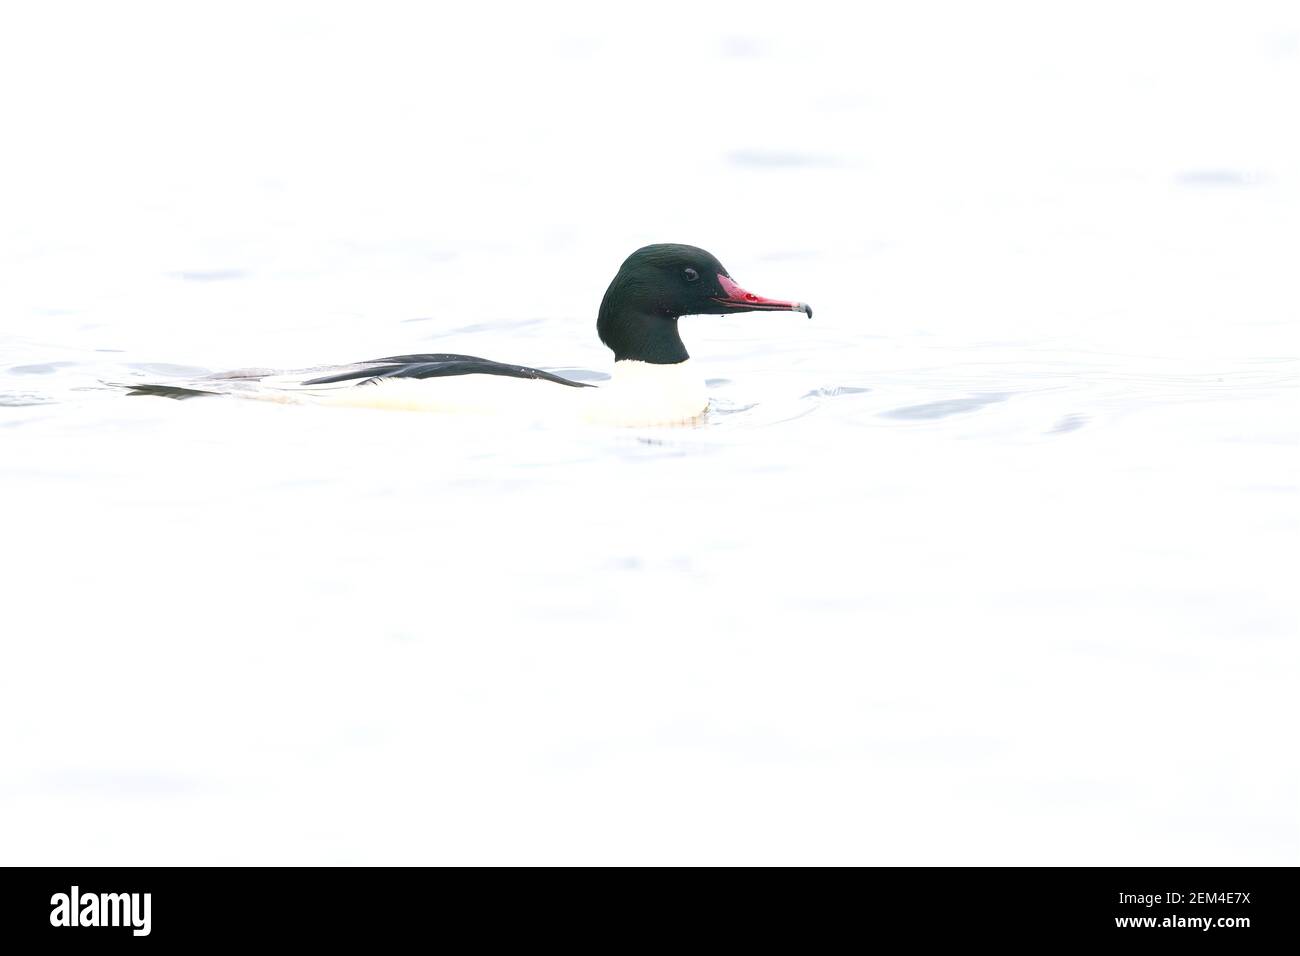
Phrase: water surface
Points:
(991, 562)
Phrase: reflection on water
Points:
(41, 368)
(777, 159)
(1219, 177)
(952, 406)
(1069, 423)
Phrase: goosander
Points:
(650, 384)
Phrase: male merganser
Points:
(650, 385)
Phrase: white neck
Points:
(630, 370)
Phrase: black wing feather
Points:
(437, 365)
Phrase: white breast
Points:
(639, 393)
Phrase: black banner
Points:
(1227, 908)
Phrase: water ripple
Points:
(952, 406)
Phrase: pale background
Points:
(992, 562)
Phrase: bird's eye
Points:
(691, 274)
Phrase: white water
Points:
(991, 562)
